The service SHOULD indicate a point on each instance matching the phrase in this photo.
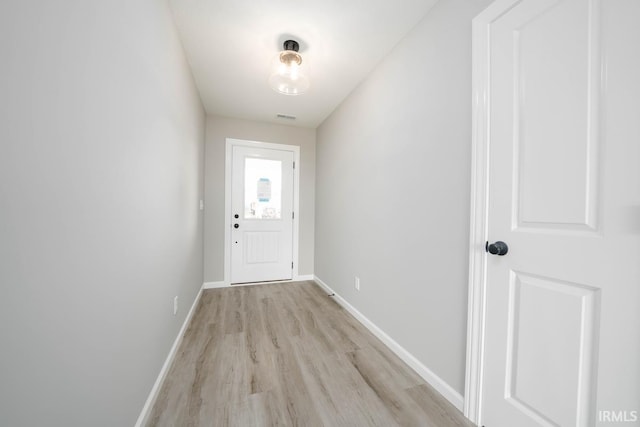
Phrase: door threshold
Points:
(261, 283)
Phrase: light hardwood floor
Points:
(288, 355)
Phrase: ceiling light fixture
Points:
(289, 76)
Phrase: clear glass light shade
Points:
(289, 74)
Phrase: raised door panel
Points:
(556, 77)
(551, 349)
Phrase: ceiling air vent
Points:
(285, 116)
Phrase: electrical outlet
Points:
(357, 283)
(175, 305)
(201, 204)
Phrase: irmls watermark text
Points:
(618, 416)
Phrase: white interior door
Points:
(261, 214)
(562, 329)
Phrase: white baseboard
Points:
(146, 410)
(435, 381)
(214, 285)
(304, 277)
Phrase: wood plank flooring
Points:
(288, 355)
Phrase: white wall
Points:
(393, 185)
(101, 171)
(220, 128)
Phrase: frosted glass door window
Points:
(262, 189)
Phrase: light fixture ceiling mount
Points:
(289, 75)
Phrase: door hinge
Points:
(294, 165)
(293, 215)
(292, 265)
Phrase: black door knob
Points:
(497, 248)
(236, 225)
(236, 216)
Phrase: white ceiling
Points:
(231, 45)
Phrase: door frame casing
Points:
(479, 205)
(229, 144)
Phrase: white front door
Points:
(261, 214)
(562, 323)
